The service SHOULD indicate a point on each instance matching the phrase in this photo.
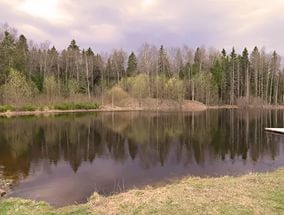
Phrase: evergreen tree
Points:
(21, 54)
(131, 64)
(274, 80)
(217, 73)
(245, 73)
(224, 54)
(163, 62)
(108, 71)
(89, 52)
(197, 66)
(7, 55)
(226, 77)
(73, 53)
(73, 46)
(232, 75)
(255, 63)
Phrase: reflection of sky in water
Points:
(63, 160)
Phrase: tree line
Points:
(29, 70)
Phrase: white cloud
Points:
(38, 33)
(105, 33)
(48, 10)
(129, 23)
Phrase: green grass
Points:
(15, 206)
(62, 106)
(261, 193)
(28, 107)
(5, 108)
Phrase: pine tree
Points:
(73, 46)
(232, 75)
(255, 60)
(73, 51)
(108, 71)
(89, 52)
(21, 54)
(131, 64)
(197, 66)
(274, 81)
(7, 55)
(245, 73)
(217, 73)
(163, 62)
(226, 77)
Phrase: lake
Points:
(63, 159)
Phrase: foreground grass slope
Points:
(249, 194)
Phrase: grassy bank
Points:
(32, 108)
(128, 104)
(249, 194)
(60, 106)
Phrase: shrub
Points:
(5, 108)
(76, 106)
(17, 88)
(140, 86)
(28, 107)
(85, 106)
(73, 87)
(175, 89)
(50, 87)
(116, 94)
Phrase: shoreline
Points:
(128, 109)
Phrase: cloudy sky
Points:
(107, 24)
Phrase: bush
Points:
(72, 87)
(175, 89)
(140, 86)
(5, 108)
(76, 106)
(116, 94)
(50, 87)
(28, 107)
(86, 106)
(17, 88)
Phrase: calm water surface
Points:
(63, 159)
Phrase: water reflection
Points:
(133, 148)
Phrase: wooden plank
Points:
(275, 130)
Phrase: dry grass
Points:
(249, 194)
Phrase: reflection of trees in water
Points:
(151, 138)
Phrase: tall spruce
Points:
(131, 65)
(163, 62)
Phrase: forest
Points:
(41, 73)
